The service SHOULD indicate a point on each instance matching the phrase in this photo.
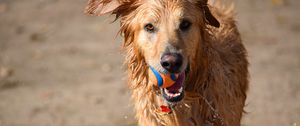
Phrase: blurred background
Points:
(59, 67)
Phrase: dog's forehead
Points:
(156, 9)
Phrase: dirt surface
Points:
(59, 67)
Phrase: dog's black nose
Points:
(171, 62)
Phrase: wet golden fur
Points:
(216, 85)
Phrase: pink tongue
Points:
(178, 84)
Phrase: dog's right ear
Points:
(101, 7)
(210, 19)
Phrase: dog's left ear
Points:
(101, 7)
(209, 18)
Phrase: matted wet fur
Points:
(217, 80)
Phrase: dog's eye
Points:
(185, 25)
(149, 28)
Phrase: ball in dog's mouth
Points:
(175, 93)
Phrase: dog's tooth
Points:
(181, 89)
(172, 95)
(177, 94)
(167, 92)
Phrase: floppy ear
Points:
(209, 18)
(101, 7)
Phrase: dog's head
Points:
(166, 32)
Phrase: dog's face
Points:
(166, 32)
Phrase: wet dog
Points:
(194, 39)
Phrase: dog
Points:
(198, 41)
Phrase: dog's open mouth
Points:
(175, 93)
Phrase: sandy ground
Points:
(59, 67)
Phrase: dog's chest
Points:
(183, 116)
